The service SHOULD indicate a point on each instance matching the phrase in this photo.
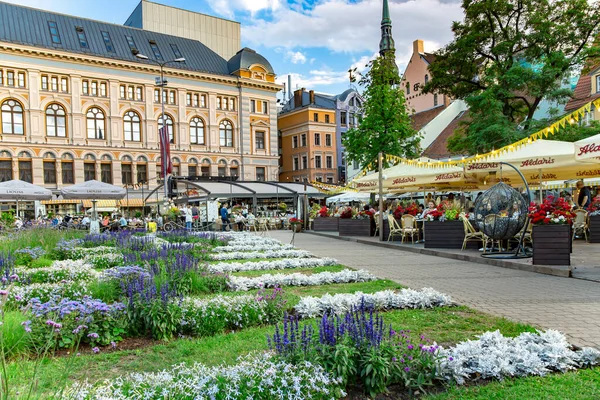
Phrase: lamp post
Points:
(162, 83)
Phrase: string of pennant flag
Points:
(551, 130)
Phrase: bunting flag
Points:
(165, 149)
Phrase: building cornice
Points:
(113, 63)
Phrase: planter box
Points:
(552, 244)
(321, 224)
(355, 227)
(386, 232)
(445, 235)
(594, 233)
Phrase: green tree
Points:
(386, 126)
(506, 57)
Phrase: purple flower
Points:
(14, 277)
(450, 358)
(394, 359)
(3, 292)
(113, 345)
(410, 347)
(96, 350)
(93, 335)
(407, 369)
(26, 325)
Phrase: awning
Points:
(131, 203)
(62, 201)
(112, 204)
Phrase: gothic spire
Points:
(387, 41)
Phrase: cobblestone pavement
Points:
(566, 304)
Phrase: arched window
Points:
(12, 117)
(56, 121)
(205, 168)
(222, 168)
(132, 126)
(426, 79)
(68, 176)
(95, 123)
(192, 167)
(169, 123)
(49, 168)
(6, 171)
(25, 167)
(197, 131)
(226, 134)
(89, 167)
(233, 169)
(142, 170)
(126, 170)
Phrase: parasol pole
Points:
(380, 196)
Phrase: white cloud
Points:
(348, 27)
(229, 7)
(318, 77)
(296, 57)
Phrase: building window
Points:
(435, 99)
(317, 139)
(304, 162)
(265, 107)
(155, 50)
(329, 162)
(352, 119)
(326, 118)
(85, 85)
(176, 51)
(95, 123)
(343, 120)
(260, 174)
(296, 164)
(169, 124)
(328, 140)
(426, 79)
(82, 38)
(317, 161)
(203, 101)
(319, 179)
(12, 117)
(67, 172)
(139, 93)
(218, 103)
(142, 173)
(188, 99)
(205, 170)
(131, 43)
(25, 171)
(329, 179)
(56, 121)
(252, 106)
(231, 104)
(316, 117)
(50, 172)
(197, 131)
(157, 95)
(196, 100)
(55, 36)
(64, 85)
(94, 88)
(106, 173)
(303, 140)
(45, 83)
(192, 170)
(54, 83)
(352, 102)
(126, 174)
(233, 170)
(226, 134)
(122, 91)
(10, 78)
(222, 169)
(407, 87)
(132, 126)
(89, 171)
(21, 79)
(130, 92)
(108, 42)
(5, 170)
(294, 142)
(172, 97)
(260, 140)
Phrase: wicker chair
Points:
(409, 227)
(471, 235)
(395, 229)
(580, 223)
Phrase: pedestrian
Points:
(224, 217)
(188, 217)
(585, 195)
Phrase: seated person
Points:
(430, 208)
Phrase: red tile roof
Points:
(582, 94)
(430, 58)
(439, 148)
(419, 120)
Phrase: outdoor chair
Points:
(263, 224)
(286, 223)
(580, 224)
(409, 227)
(395, 228)
(250, 224)
(527, 238)
(471, 235)
(491, 219)
(273, 224)
(376, 217)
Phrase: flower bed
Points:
(261, 254)
(324, 278)
(251, 247)
(287, 263)
(65, 270)
(259, 377)
(309, 307)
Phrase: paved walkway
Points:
(566, 304)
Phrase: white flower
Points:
(286, 263)
(241, 255)
(298, 279)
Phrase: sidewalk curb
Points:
(540, 269)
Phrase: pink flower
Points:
(96, 350)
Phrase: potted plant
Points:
(296, 224)
(443, 228)
(282, 207)
(324, 221)
(594, 220)
(354, 223)
(551, 221)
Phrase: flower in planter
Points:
(594, 207)
(323, 212)
(553, 211)
(347, 213)
(296, 221)
(363, 215)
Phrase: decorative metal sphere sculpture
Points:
(501, 212)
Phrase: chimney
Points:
(290, 86)
(418, 46)
(298, 97)
(311, 96)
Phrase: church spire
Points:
(387, 41)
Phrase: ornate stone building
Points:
(78, 104)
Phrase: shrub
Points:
(14, 341)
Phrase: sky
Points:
(315, 41)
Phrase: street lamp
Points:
(162, 83)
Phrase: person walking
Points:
(188, 217)
(224, 217)
(585, 195)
